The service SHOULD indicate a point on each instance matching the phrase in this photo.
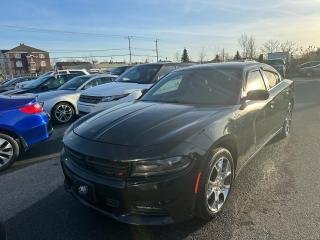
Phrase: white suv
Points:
(126, 88)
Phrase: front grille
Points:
(103, 167)
(90, 99)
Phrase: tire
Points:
(9, 151)
(63, 113)
(286, 128)
(208, 207)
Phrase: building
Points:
(26, 60)
(4, 65)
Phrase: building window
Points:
(18, 64)
(43, 64)
(41, 55)
(33, 67)
(17, 55)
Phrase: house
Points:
(26, 60)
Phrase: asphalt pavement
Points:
(276, 196)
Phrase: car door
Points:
(258, 109)
(278, 103)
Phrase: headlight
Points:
(145, 168)
(114, 98)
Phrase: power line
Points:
(47, 30)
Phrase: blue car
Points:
(22, 124)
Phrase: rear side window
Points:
(254, 82)
(272, 78)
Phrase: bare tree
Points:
(202, 55)
(270, 46)
(177, 56)
(251, 47)
(243, 43)
(289, 46)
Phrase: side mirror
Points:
(257, 95)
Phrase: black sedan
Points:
(10, 84)
(43, 84)
(174, 153)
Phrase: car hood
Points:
(54, 94)
(145, 123)
(115, 88)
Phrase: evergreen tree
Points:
(185, 56)
(217, 58)
(237, 56)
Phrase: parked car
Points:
(62, 103)
(279, 64)
(309, 69)
(22, 123)
(11, 84)
(77, 72)
(174, 153)
(117, 71)
(43, 84)
(126, 88)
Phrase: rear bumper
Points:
(158, 202)
(36, 128)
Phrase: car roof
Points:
(234, 65)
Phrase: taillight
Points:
(32, 109)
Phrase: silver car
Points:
(61, 104)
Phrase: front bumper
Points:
(154, 202)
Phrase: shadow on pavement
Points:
(60, 216)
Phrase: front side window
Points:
(54, 83)
(212, 86)
(272, 78)
(254, 82)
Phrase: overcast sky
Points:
(194, 24)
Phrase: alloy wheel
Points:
(63, 113)
(6, 152)
(218, 187)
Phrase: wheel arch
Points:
(68, 102)
(20, 140)
(228, 142)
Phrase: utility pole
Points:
(157, 51)
(130, 53)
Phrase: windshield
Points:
(118, 70)
(10, 82)
(198, 86)
(143, 74)
(36, 82)
(75, 83)
(275, 62)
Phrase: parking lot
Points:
(275, 197)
